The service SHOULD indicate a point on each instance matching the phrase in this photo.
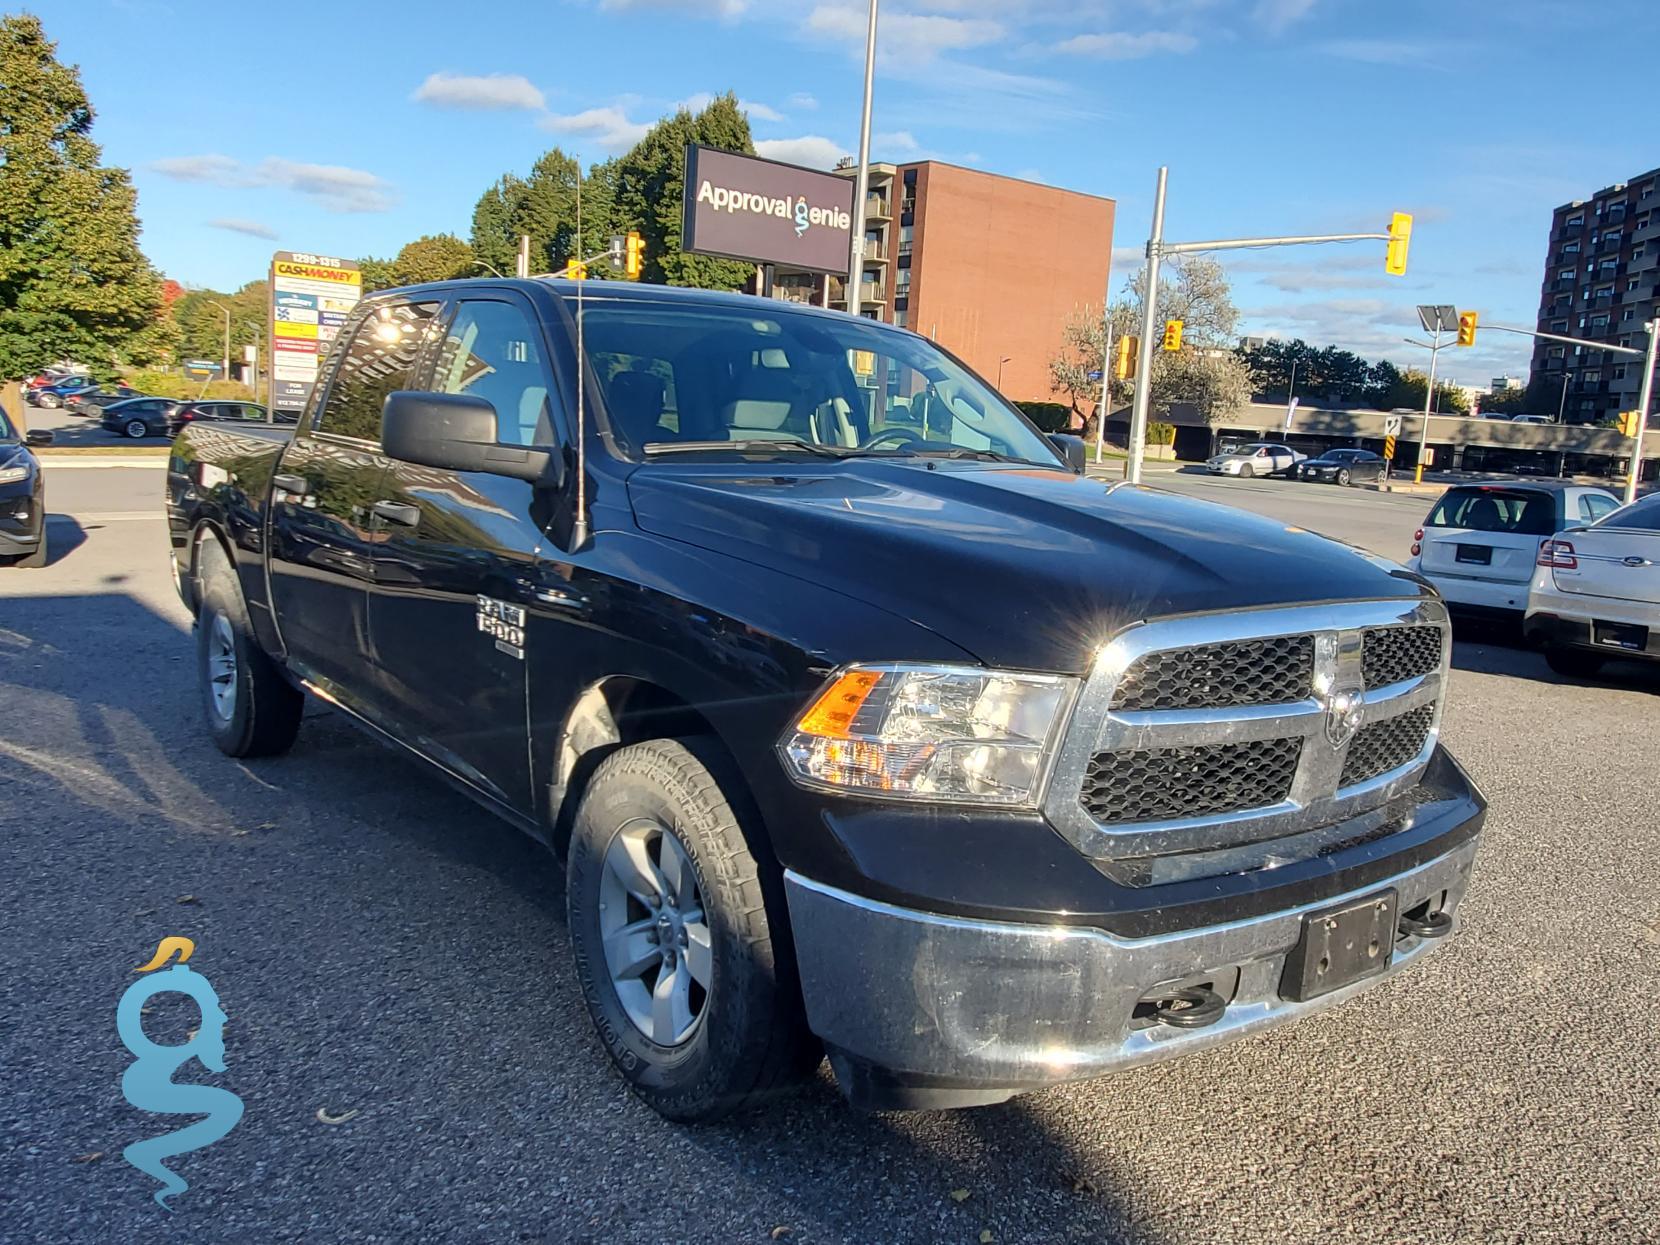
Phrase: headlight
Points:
(10, 475)
(954, 734)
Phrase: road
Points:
(381, 946)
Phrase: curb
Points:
(62, 462)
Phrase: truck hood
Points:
(1027, 568)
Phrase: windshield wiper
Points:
(747, 445)
(962, 451)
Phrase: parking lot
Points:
(385, 948)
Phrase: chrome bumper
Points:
(952, 1012)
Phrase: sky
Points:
(349, 128)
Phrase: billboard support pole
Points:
(521, 267)
(856, 259)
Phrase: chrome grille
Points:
(1189, 782)
(1224, 731)
(1391, 654)
(1387, 745)
(1220, 676)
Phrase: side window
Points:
(1593, 506)
(377, 362)
(493, 350)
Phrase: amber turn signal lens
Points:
(832, 714)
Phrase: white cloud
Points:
(903, 36)
(1120, 46)
(609, 127)
(497, 91)
(804, 101)
(1278, 14)
(899, 142)
(250, 227)
(760, 112)
(697, 8)
(812, 150)
(336, 187)
(1382, 52)
(695, 102)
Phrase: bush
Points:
(1048, 416)
(1161, 434)
(174, 385)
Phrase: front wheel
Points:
(1343, 476)
(1573, 663)
(1246, 471)
(676, 950)
(137, 429)
(251, 709)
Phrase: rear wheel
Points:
(251, 709)
(675, 947)
(1573, 663)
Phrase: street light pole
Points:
(856, 261)
(1149, 317)
(1429, 394)
(1000, 364)
(1642, 412)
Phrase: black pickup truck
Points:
(866, 724)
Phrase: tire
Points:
(137, 429)
(1573, 663)
(1246, 471)
(1343, 477)
(251, 710)
(741, 1037)
(49, 401)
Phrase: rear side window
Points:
(1594, 506)
(378, 361)
(1520, 512)
(1641, 516)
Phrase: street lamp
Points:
(1000, 364)
(856, 261)
(224, 359)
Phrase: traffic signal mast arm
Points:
(1240, 244)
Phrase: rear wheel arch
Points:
(206, 535)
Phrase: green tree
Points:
(494, 242)
(376, 273)
(435, 257)
(650, 190)
(73, 282)
(1510, 402)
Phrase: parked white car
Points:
(1596, 593)
(1260, 458)
(1480, 542)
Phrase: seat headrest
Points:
(636, 404)
(765, 398)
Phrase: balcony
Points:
(877, 208)
(871, 293)
(875, 252)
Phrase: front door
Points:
(324, 528)
(455, 572)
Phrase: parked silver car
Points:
(1260, 458)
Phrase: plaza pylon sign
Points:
(311, 296)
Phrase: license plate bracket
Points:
(1476, 555)
(1630, 636)
(1342, 945)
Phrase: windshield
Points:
(712, 379)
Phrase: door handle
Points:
(401, 513)
(298, 486)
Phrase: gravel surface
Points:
(383, 947)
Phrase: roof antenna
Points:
(579, 525)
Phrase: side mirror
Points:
(457, 432)
(38, 437)
(1071, 447)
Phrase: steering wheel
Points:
(897, 433)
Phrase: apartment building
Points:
(990, 267)
(1602, 281)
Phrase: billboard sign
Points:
(310, 296)
(741, 207)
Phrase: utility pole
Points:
(1157, 248)
(1429, 393)
(856, 262)
(225, 358)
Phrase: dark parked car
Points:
(217, 411)
(141, 417)
(22, 497)
(1343, 467)
(95, 398)
(902, 743)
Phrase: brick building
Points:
(990, 267)
(1602, 279)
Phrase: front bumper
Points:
(21, 519)
(926, 1011)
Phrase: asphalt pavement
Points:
(383, 947)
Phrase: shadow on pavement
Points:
(1488, 646)
(64, 535)
(384, 946)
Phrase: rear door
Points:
(1488, 532)
(1618, 558)
(455, 571)
(323, 528)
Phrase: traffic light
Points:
(1124, 366)
(1466, 328)
(1631, 423)
(636, 254)
(1172, 334)
(576, 270)
(1400, 234)
(614, 252)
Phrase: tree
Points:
(650, 189)
(1509, 402)
(494, 242)
(1329, 373)
(435, 257)
(1407, 393)
(73, 282)
(376, 274)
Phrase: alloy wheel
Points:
(221, 663)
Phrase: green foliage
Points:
(1330, 374)
(650, 185)
(1048, 416)
(1407, 392)
(197, 318)
(1512, 402)
(73, 282)
(1161, 434)
(435, 257)
(376, 273)
(176, 385)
